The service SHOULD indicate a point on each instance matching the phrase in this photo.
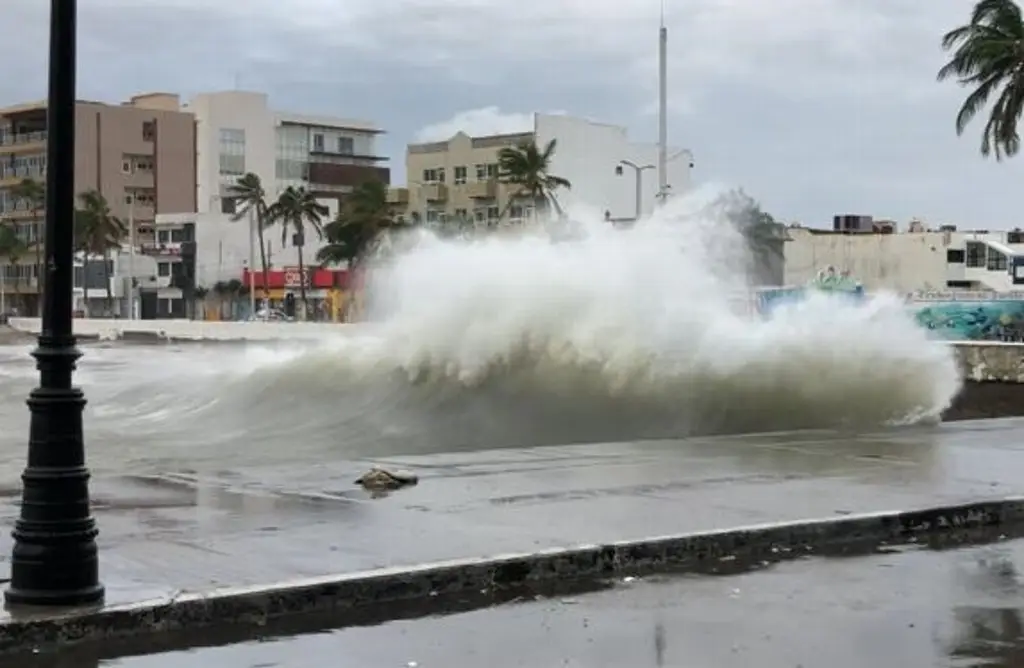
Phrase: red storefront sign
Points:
(288, 278)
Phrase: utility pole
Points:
(131, 257)
(639, 172)
(662, 108)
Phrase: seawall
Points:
(994, 375)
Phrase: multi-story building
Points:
(457, 178)
(915, 261)
(139, 155)
(238, 132)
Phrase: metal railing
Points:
(14, 139)
(22, 173)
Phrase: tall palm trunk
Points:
(302, 282)
(263, 262)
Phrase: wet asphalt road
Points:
(911, 608)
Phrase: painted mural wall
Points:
(947, 315)
(971, 317)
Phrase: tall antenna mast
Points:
(662, 108)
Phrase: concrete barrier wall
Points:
(188, 330)
(991, 361)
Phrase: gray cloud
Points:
(814, 106)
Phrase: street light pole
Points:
(639, 171)
(131, 257)
(55, 561)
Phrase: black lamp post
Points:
(55, 560)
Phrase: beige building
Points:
(140, 155)
(458, 177)
(458, 180)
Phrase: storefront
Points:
(325, 289)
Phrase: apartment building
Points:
(457, 178)
(238, 132)
(140, 155)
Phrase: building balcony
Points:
(330, 174)
(434, 192)
(10, 176)
(482, 189)
(165, 249)
(25, 142)
(140, 178)
(398, 196)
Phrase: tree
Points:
(251, 199)
(364, 218)
(361, 230)
(988, 56)
(526, 167)
(763, 236)
(294, 209)
(97, 232)
(33, 194)
(12, 249)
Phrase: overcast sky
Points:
(815, 107)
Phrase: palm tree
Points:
(294, 209)
(97, 232)
(33, 194)
(356, 233)
(12, 249)
(360, 231)
(988, 56)
(251, 198)
(526, 167)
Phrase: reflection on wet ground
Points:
(913, 608)
(190, 528)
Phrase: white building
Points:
(457, 177)
(930, 261)
(589, 155)
(237, 132)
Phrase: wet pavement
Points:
(190, 531)
(912, 608)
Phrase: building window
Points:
(975, 254)
(432, 216)
(954, 256)
(148, 130)
(318, 142)
(346, 145)
(228, 205)
(461, 214)
(996, 261)
(126, 166)
(429, 176)
(163, 236)
(493, 213)
(460, 175)
(232, 152)
(163, 268)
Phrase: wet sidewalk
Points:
(909, 608)
(193, 532)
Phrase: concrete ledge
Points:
(348, 593)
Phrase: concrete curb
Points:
(255, 606)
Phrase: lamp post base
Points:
(55, 561)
